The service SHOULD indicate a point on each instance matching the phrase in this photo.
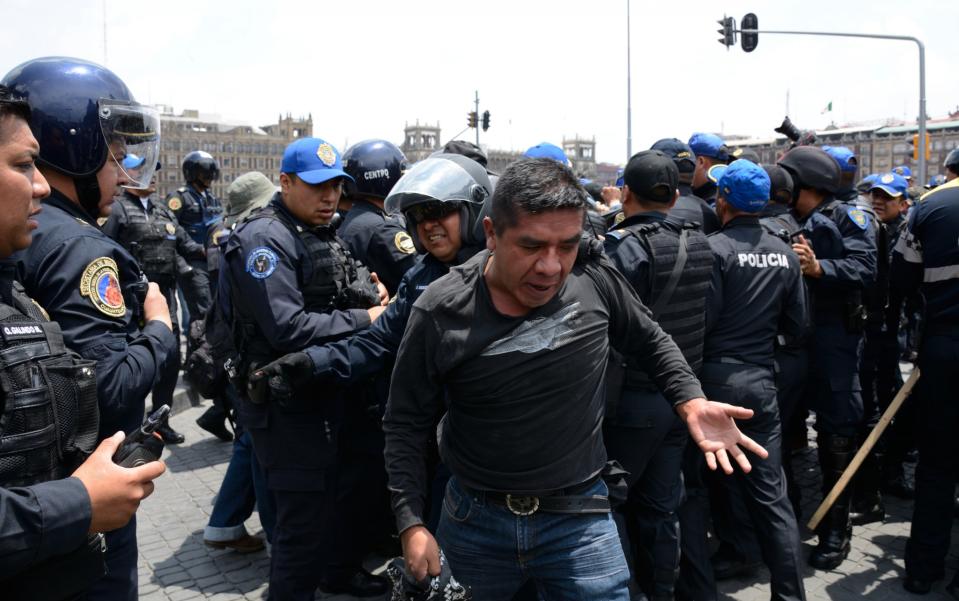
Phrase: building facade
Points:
(238, 147)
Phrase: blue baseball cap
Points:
(903, 170)
(132, 161)
(313, 161)
(709, 145)
(845, 157)
(745, 185)
(620, 180)
(891, 183)
(545, 150)
(715, 172)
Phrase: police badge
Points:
(326, 154)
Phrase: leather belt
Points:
(565, 500)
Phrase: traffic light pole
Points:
(875, 36)
(477, 116)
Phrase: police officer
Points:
(87, 121)
(837, 253)
(926, 258)
(689, 207)
(292, 284)
(49, 546)
(152, 235)
(756, 292)
(879, 374)
(669, 265)
(710, 150)
(376, 239)
(848, 167)
(197, 210)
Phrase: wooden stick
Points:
(864, 450)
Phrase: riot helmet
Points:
(445, 178)
(780, 184)
(82, 115)
(375, 166)
(200, 166)
(811, 167)
(952, 161)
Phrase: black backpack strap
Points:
(674, 276)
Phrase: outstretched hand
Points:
(712, 427)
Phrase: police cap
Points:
(780, 184)
(679, 151)
(652, 175)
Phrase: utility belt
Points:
(61, 577)
(570, 500)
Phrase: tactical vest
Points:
(336, 281)
(151, 239)
(682, 314)
(49, 418)
(200, 212)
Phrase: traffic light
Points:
(471, 118)
(915, 147)
(485, 120)
(728, 32)
(749, 41)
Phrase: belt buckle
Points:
(522, 506)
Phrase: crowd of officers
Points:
(788, 288)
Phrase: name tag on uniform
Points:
(23, 332)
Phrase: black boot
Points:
(867, 505)
(169, 435)
(213, 421)
(835, 453)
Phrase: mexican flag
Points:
(828, 109)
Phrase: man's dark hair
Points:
(534, 186)
(11, 104)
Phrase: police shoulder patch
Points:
(858, 216)
(262, 262)
(175, 203)
(619, 218)
(618, 234)
(100, 283)
(101, 221)
(404, 243)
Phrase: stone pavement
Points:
(176, 566)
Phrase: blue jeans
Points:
(243, 487)
(567, 556)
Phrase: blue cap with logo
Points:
(903, 170)
(313, 161)
(745, 185)
(892, 184)
(845, 157)
(545, 150)
(715, 172)
(132, 161)
(709, 145)
(620, 180)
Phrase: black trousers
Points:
(764, 487)
(121, 582)
(648, 440)
(169, 371)
(196, 291)
(938, 411)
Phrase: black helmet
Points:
(83, 114)
(780, 184)
(952, 161)
(200, 165)
(445, 178)
(812, 167)
(375, 166)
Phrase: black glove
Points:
(278, 380)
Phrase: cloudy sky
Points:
(544, 69)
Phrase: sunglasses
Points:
(431, 211)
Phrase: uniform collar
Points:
(58, 200)
(8, 273)
(742, 221)
(773, 209)
(646, 217)
(137, 200)
(707, 191)
(277, 202)
(685, 189)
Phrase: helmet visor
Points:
(131, 129)
(433, 180)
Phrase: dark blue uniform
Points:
(276, 281)
(645, 435)
(693, 209)
(843, 240)
(379, 241)
(83, 279)
(197, 212)
(756, 294)
(927, 259)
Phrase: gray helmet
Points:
(812, 167)
(445, 178)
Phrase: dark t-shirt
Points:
(524, 396)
